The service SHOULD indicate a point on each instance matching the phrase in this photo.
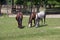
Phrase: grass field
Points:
(10, 31)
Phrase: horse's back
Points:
(41, 14)
(33, 15)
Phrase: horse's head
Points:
(19, 18)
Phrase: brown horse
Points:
(19, 18)
(32, 17)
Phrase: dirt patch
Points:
(57, 27)
(47, 16)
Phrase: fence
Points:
(6, 9)
(23, 8)
(27, 9)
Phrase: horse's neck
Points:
(42, 12)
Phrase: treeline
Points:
(29, 2)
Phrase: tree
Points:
(19, 2)
(58, 1)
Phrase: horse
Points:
(40, 16)
(32, 18)
(19, 18)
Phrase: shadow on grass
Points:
(21, 27)
(42, 25)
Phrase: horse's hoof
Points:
(33, 25)
(29, 25)
(45, 24)
(36, 26)
(20, 27)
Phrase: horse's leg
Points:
(19, 25)
(44, 18)
(21, 22)
(38, 22)
(30, 23)
(34, 22)
(41, 20)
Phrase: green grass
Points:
(10, 31)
